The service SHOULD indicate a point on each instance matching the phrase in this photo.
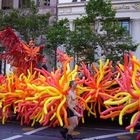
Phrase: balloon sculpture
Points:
(36, 95)
(20, 55)
(127, 99)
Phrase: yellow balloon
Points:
(48, 101)
(132, 120)
(101, 73)
(58, 110)
(110, 102)
(124, 110)
(42, 117)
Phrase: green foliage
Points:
(99, 8)
(57, 35)
(81, 40)
(25, 21)
(100, 33)
(98, 30)
(113, 39)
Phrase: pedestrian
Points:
(71, 112)
(44, 66)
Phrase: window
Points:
(47, 3)
(83, 0)
(74, 0)
(7, 4)
(125, 24)
(24, 3)
(43, 3)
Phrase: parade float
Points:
(36, 95)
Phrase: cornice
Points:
(71, 4)
(79, 4)
(125, 1)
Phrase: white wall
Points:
(135, 32)
(64, 1)
(0, 4)
(68, 1)
(125, 9)
(15, 4)
(131, 15)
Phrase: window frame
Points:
(43, 3)
(122, 21)
(7, 4)
(24, 5)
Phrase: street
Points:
(96, 130)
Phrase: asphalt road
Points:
(94, 130)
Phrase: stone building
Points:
(128, 13)
(44, 6)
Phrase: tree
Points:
(81, 39)
(57, 35)
(110, 36)
(27, 22)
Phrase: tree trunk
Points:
(0, 67)
(4, 67)
(55, 57)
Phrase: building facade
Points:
(127, 12)
(43, 5)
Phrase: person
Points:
(44, 61)
(31, 43)
(71, 112)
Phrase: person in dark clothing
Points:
(44, 66)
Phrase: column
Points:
(135, 33)
(15, 4)
(0, 4)
(71, 25)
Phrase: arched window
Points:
(24, 3)
(7, 4)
